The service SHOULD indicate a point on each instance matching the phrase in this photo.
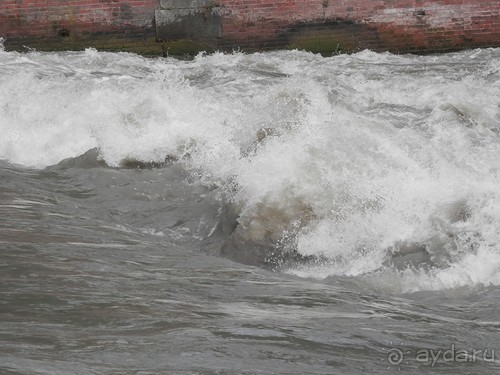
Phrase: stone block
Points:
(185, 4)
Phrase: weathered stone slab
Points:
(185, 4)
(192, 24)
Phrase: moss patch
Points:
(330, 37)
(186, 47)
(324, 46)
(76, 42)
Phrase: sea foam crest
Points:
(368, 165)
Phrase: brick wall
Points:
(396, 25)
(190, 25)
(76, 24)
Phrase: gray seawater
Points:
(275, 213)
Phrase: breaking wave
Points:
(375, 166)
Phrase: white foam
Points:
(344, 157)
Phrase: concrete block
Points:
(185, 4)
(187, 24)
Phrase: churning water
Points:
(275, 213)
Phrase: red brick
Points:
(396, 25)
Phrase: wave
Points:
(371, 165)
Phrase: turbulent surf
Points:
(367, 172)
